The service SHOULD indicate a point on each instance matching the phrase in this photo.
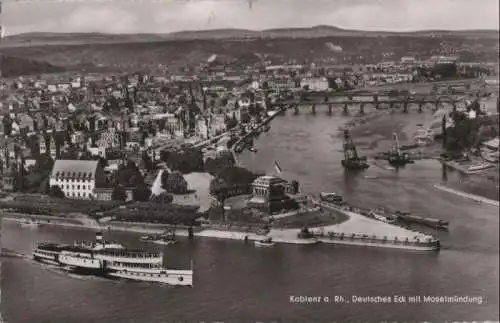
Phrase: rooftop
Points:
(74, 168)
(268, 180)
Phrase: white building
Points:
(202, 128)
(76, 178)
(408, 60)
(315, 84)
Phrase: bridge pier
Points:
(330, 109)
(391, 106)
(296, 109)
(362, 108)
(345, 109)
(313, 108)
(420, 107)
(405, 107)
(326, 98)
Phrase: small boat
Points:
(252, 149)
(382, 217)
(331, 197)
(265, 242)
(161, 239)
(29, 223)
(165, 241)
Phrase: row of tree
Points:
(185, 160)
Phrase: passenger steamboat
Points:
(111, 260)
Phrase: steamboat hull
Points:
(170, 277)
(46, 260)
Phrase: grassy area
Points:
(310, 219)
(154, 213)
(43, 204)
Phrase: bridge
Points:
(436, 101)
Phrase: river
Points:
(235, 282)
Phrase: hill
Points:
(98, 52)
(41, 38)
(15, 66)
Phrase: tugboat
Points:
(268, 242)
(395, 157)
(351, 159)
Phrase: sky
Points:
(164, 16)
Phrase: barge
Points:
(353, 239)
(430, 222)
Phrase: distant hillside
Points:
(177, 53)
(15, 66)
(40, 38)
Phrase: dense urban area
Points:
(128, 137)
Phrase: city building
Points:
(315, 84)
(77, 178)
(408, 60)
(201, 129)
(109, 139)
(103, 194)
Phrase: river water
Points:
(239, 283)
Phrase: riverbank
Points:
(466, 195)
(352, 223)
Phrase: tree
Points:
(163, 198)
(141, 193)
(217, 165)
(231, 123)
(7, 125)
(119, 194)
(295, 186)
(174, 183)
(55, 191)
(185, 160)
(148, 162)
(129, 175)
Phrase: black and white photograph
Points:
(249, 161)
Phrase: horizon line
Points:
(340, 29)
